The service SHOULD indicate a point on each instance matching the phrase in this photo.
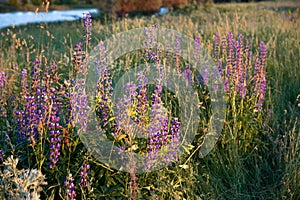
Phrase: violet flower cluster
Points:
(160, 136)
(152, 49)
(1, 156)
(70, 186)
(105, 88)
(2, 79)
(156, 127)
(125, 110)
(79, 99)
(142, 102)
(41, 109)
(87, 22)
(3, 82)
(29, 118)
(52, 105)
(162, 132)
(54, 129)
(238, 70)
(172, 154)
(260, 76)
(84, 173)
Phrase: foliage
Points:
(20, 184)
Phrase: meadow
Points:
(257, 156)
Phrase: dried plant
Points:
(20, 184)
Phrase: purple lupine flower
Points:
(31, 114)
(150, 44)
(80, 104)
(172, 154)
(215, 84)
(238, 65)
(1, 156)
(69, 184)
(84, 173)
(78, 56)
(25, 118)
(229, 59)
(168, 50)
(197, 50)
(55, 140)
(205, 74)
(3, 81)
(104, 85)
(247, 52)
(260, 76)
(124, 107)
(49, 106)
(87, 22)
(241, 68)
(37, 90)
(155, 128)
(224, 45)
(187, 74)
(220, 67)
(21, 125)
(216, 44)
(142, 102)
(177, 50)
(54, 129)
(248, 56)
(79, 99)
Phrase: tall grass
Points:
(257, 156)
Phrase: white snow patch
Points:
(20, 18)
(163, 11)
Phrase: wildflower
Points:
(155, 127)
(84, 173)
(177, 52)
(78, 57)
(55, 134)
(205, 73)
(3, 81)
(32, 111)
(1, 155)
(87, 22)
(150, 44)
(229, 59)
(80, 104)
(187, 74)
(104, 85)
(238, 73)
(142, 102)
(172, 154)
(69, 184)
(216, 44)
(126, 109)
(260, 76)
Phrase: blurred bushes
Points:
(36, 2)
(175, 3)
(128, 5)
(139, 5)
(12, 2)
